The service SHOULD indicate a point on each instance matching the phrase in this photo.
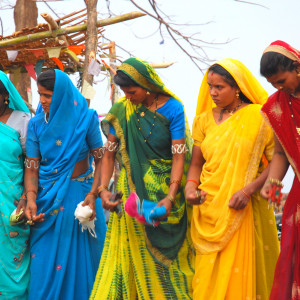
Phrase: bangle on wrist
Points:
(276, 182)
(172, 199)
(92, 194)
(175, 181)
(246, 194)
(31, 191)
(101, 188)
(23, 197)
(194, 181)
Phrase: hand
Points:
(106, 203)
(30, 213)
(166, 202)
(238, 200)
(90, 200)
(265, 191)
(195, 196)
(21, 205)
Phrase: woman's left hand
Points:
(239, 200)
(167, 204)
(90, 200)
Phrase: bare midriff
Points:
(81, 167)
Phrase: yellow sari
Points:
(236, 249)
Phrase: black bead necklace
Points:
(230, 111)
(153, 123)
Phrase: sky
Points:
(248, 28)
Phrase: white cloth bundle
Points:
(83, 214)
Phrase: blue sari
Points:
(14, 252)
(64, 259)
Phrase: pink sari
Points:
(277, 111)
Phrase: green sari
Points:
(139, 261)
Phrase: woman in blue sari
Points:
(58, 177)
(14, 252)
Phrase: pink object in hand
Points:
(131, 208)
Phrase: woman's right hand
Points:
(265, 191)
(30, 212)
(105, 196)
(195, 196)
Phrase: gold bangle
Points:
(276, 182)
(172, 199)
(101, 188)
(246, 194)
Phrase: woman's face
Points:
(222, 93)
(135, 94)
(287, 81)
(45, 98)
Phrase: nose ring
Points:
(280, 88)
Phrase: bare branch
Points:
(247, 2)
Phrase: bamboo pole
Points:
(67, 30)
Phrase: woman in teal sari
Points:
(149, 128)
(14, 252)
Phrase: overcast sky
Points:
(251, 28)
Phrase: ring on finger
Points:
(198, 194)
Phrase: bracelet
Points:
(31, 191)
(23, 197)
(92, 194)
(175, 181)
(276, 182)
(101, 188)
(193, 180)
(246, 194)
(172, 199)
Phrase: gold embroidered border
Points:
(283, 51)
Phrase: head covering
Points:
(15, 100)
(144, 75)
(245, 80)
(284, 49)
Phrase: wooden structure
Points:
(67, 33)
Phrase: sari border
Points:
(265, 116)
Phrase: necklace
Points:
(142, 114)
(153, 123)
(292, 115)
(230, 111)
(46, 120)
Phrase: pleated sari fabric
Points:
(236, 250)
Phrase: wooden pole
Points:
(70, 29)
(91, 40)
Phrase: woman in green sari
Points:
(14, 252)
(149, 130)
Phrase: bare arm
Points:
(278, 167)
(90, 198)
(31, 183)
(175, 177)
(107, 168)
(191, 189)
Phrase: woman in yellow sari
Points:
(233, 230)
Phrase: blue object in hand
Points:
(151, 212)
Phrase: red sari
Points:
(278, 113)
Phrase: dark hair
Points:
(123, 80)
(272, 62)
(47, 80)
(3, 90)
(218, 69)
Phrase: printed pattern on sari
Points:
(158, 261)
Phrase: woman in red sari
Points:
(280, 64)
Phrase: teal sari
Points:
(14, 258)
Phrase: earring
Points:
(237, 94)
(147, 93)
(6, 102)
